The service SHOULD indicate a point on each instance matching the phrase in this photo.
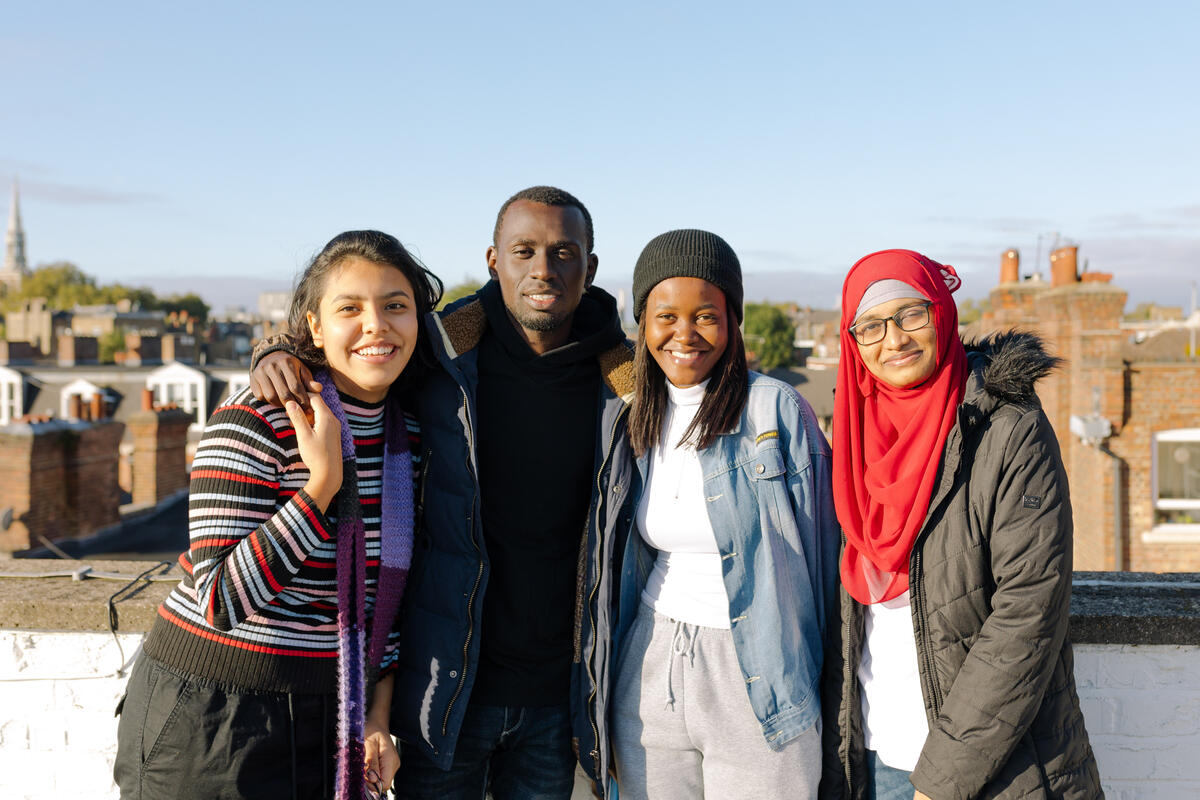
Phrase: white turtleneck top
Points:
(686, 583)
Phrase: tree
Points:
(110, 344)
(458, 291)
(191, 302)
(970, 310)
(769, 334)
(138, 296)
(63, 284)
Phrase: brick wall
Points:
(1081, 324)
(74, 350)
(1140, 399)
(1092, 506)
(159, 467)
(58, 691)
(141, 349)
(92, 494)
(32, 459)
(1161, 397)
(59, 479)
(1141, 706)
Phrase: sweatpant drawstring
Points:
(682, 644)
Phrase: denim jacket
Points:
(770, 502)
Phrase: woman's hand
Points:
(320, 445)
(917, 795)
(383, 759)
(280, 377)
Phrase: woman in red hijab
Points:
(956, 573)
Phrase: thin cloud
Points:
(1134, 222)
(1022, 225)
(34, 186)
(72, 195)
(11, 167)
(1159, 253)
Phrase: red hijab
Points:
(887, 442)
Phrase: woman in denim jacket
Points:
(729, 573)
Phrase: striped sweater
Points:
(257, 609)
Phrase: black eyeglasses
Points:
(909, 318)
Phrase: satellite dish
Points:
(6, 518)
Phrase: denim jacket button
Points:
(760, 469)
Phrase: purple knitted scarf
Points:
(358, 659)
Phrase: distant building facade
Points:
(1126, 410)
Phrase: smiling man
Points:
(539, 407)
(504, 631)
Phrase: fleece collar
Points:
(462, 324)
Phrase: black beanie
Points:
(688, 254)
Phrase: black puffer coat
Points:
(990, 582)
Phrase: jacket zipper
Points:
(917, 582)
(923, 645)
(424, 480)
(462, 674)
(592, 596)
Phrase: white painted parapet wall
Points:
(1141, 705)
(58, 692)
(1141, 700)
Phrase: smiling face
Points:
(687, 328)
(541, 261)
(366, 325)
(901, 358)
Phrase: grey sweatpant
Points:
(683, 726)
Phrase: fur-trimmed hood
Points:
(458, 328)
(1004, 368)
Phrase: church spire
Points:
(15, 266)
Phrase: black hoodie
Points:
(536, 449)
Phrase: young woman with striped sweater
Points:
(268, 673)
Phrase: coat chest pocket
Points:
(768, 479)
(767, 464)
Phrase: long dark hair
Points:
(379, 248)
(724, 397)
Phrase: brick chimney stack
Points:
(1011, 302)
(159, 453)
(58, 479)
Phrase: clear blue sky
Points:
(216, 146)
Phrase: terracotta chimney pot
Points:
(1064, 269)
(1010, 266)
